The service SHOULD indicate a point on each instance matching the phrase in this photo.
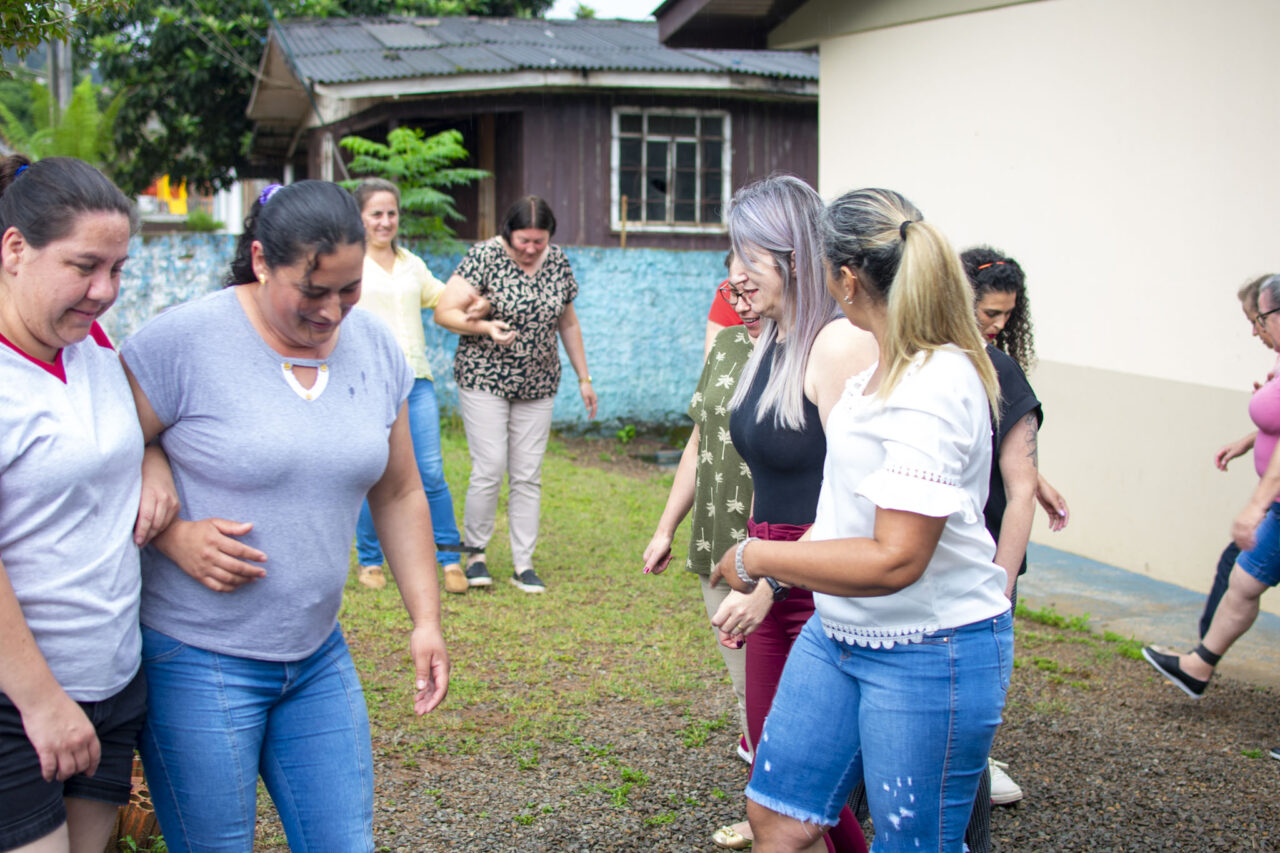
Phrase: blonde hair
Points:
(904, 261)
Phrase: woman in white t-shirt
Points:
(900, 676)
(71, 696)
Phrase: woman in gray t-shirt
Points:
(279, 409)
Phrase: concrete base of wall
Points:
(1135, 605)
(1133, 456)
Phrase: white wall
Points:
(1122, 151)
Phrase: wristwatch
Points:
(779, 591)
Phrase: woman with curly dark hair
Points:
(1004, 315)
(1004, 318)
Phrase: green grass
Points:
(526, 669)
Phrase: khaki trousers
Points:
(504, 436)
(735, 660)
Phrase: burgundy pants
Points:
(767, 650)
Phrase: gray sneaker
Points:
(478, 574)
(528, 581)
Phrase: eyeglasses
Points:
(1261, 319)
(731, 294)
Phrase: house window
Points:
(671, 167)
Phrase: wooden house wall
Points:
(557, 145)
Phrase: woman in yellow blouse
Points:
(397, 286)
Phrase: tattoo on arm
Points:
(1032, 424)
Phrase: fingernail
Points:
(422, 685)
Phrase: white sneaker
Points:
(1003, 789)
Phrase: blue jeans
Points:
(216, 722)
(915, 721)
(424, 426)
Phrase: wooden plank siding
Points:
(557, 144)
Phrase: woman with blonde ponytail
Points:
(899, 678)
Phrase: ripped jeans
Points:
(915, 720)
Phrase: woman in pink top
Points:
(1256, 530)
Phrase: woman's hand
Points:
(740, 614)
(431, 667)
(501, 332)
(159, 503)
(726, 570)
(1232, 450)
(588, 397)
(206, 551)
(478, 308)
(1244, 528)
(658, 553)
(65, 741)
(1055, 505)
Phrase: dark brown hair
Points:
(43, 199)
(529, 212)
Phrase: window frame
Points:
(615, 169)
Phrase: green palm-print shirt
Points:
(722, 494)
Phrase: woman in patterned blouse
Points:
(712, 481)
(508, 370)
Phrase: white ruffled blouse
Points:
(927, 450)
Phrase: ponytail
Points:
(907, 263)
(307, 218)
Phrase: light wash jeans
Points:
(424, 426)
(216, 722)
(916, 721)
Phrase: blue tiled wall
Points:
(643, 315)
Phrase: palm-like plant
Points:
(420, 166)
(83, 129)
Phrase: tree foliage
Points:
(188, 68)
(26, 23)
(420, 166)
(83, 129)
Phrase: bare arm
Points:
(571, 337)
(1234, 449)
(893, 558)
(1246, 523)
(658, 553)
(403, 521)
(65, 741)
(840, 350)
(1019, 460)
(452, 313)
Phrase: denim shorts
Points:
(914, 721)
(1262, 561)
(30, 807)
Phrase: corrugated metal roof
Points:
(347, 50)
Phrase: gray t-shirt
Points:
(246, 445)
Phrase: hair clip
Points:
(992, 264)
(268, 192)
(21, 169)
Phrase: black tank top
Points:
(786, 464)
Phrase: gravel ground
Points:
(1111, 758)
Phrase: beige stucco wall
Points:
(1123, 151)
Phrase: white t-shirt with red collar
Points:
(70, 479)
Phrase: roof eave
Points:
(789, 87)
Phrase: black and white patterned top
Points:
(528, 369)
